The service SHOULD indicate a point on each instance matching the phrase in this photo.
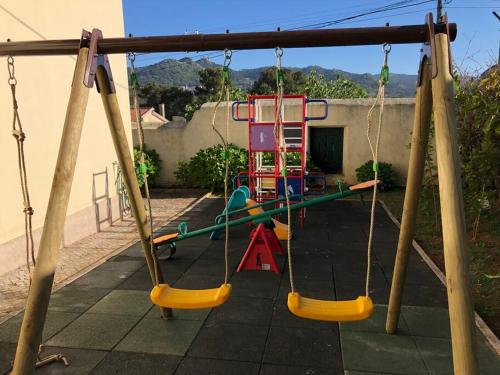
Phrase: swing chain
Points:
(20, 136)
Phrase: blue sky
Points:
(476, 45)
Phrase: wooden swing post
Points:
(419, 139)
(30, 336)
(460, 305)
(111, 107)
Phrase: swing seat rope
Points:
(164, 295)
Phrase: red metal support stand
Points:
(259, 255)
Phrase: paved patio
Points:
(105, 324)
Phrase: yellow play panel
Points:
(280, 229)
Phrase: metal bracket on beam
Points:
(428, 49)
(94, 60)
(450, 62)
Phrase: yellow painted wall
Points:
(179, 143)
(43, 92)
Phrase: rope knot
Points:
(28, 209)
(19, 135)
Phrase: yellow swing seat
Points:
(332, 311)
(164, 295)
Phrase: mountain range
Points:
(184, 73)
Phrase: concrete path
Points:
(105, 324)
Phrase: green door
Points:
(326, 146)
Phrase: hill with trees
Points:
(185, 73)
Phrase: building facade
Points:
(42, 91)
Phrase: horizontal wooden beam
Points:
(235, 41)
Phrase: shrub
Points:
(292, 158)
(152, 161)
(386, 174)
(207, 168)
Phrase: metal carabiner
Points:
(387, 49)
(278, 51)
(228, 54)
(11, 68)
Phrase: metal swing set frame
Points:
(434, 95)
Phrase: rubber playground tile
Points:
(102, 278)
(377, 352)
(415, 295)
(234, 254)
(81, 361)
(117, 362)
(210, 267)
(199, 282)
(437, 355)
(298, 370)
(356, 278)
(384, 236)
(125, 265)
(303, 347)
(427, 321)
(257, 284)
(75, 299)
(140, 280)
(7, 352)
(134, 251)
(317, 271)
(346, 235)
(123, 302)
(173, 267)
(54, 322)
(230, 341)
(94, 331)
(161, 336)
(243, 310)
(203, 366)
(199, 314)
(308, 288)
(282, 317)
(375, 323)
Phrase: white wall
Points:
(43, 90)
(179, 143)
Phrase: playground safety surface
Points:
(104, 322)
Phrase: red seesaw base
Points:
(259, 254)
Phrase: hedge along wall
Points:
(177, 141)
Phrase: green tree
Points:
(175, 98)
(150, 94)
(210, 86)
(317, 86)
(266, 84)
(209, 91)
(478, 120)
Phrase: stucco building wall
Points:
(179, 142)
(43, 90)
